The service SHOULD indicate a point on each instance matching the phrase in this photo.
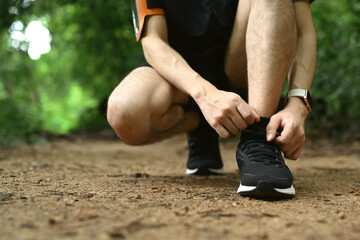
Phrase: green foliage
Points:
(336, 85)
(93, 48)
(337, 78)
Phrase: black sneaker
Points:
(204, 153)
(263, 173)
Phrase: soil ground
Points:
(96, 188)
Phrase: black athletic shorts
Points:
(199, 30)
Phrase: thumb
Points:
(272, 128)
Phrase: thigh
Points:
(145, 108)
(146, 90)
(235, 59)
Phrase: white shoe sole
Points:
(212, 170)
(288, 191)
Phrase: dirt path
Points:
(98, 189)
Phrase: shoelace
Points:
(260, 150)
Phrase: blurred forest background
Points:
(60, 60)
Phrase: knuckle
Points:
(285, 142)
(236, 98)
(273, 117)
(219, 117)
(293, 126)
(214, 123)
(227, 109)
(248, 116)
(246, 113)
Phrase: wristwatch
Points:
(304, 94)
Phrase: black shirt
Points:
(199, 30)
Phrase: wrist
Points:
(296, 105)
(199, 88)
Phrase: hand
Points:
(292, 138)
(226, 112)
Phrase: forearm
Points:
(172, 66)
(303, 69)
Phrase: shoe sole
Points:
(205, 171)
(265, 190)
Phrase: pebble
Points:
(4, 196)
(342, 215)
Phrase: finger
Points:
(223, 132)
(223, 121)
(295, 140)
(286, 136)
(230, 126)
(256, 115)
(293, 147)
(293, 150)
(295, 137)
(272, 128)
(239, 122)
(294, 153)
(246, 113)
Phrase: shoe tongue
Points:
(260, 126)
(263, 123)
(256, 131)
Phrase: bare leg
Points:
(270, 45)
(236, 60)
(145, 108)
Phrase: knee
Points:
(129, 124)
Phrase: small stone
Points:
(262, 235)
(27, 225)
(290, 224)
(139, 175)
(89, 195)
(116, 235)
(52, 221)
(342, 215)
(138, 197)
(40, 165)
(70, 234)
(4, 196)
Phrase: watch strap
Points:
(297, 93)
